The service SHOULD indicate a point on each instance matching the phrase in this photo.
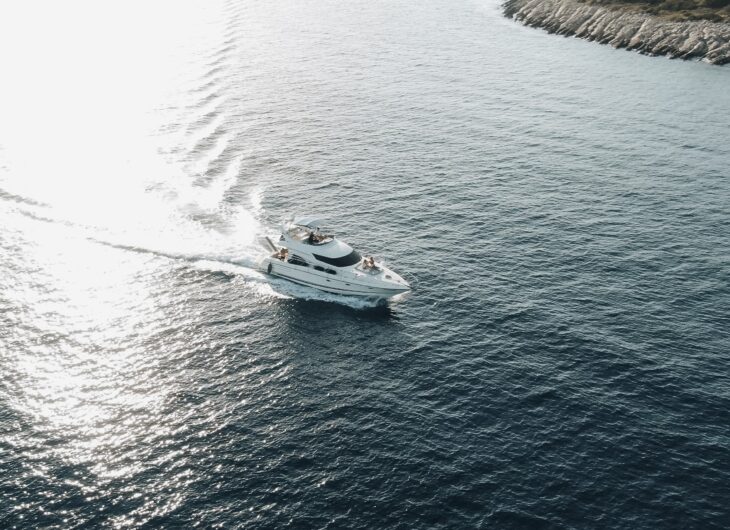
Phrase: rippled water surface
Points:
(561, 208)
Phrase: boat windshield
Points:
(345, 261)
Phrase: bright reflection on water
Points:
(98, 109)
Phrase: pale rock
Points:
(709, 41)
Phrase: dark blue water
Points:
(560, 207)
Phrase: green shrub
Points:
(716, 4)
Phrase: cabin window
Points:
(318, 268)
(296, 260)
(330, 271)
(345, 261)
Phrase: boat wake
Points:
(216, 242)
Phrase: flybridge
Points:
(303, 233)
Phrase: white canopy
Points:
(309, 222)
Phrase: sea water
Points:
(560, 207)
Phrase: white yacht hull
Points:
(349, 286)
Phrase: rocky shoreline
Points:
(645, 33)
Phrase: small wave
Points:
(214, 95)
(202, 128)
(11, 197)
(208, 85)
(219, 55)
(210, 149)
(326, 185)
(37, 217)
(213, 71)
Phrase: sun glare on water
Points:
(95, 110)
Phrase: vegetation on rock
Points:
(675, 10)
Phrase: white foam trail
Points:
(163, 226)
(256, 199)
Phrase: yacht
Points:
(311, 255)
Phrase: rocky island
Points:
(687, 29)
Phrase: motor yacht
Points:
(309, 254)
